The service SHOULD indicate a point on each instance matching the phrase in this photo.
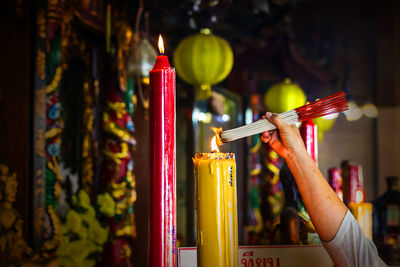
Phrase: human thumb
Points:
(275, 119)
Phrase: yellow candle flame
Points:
(214, 146)
(161, 44)
(359, 196)
(216, 140)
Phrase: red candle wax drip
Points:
(162, 165)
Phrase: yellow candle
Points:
(216, 209)
(362, 212)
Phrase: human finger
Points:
(274, 136)
(275, 119)
(277, 145)
(265, 139)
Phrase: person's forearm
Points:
(326, 210)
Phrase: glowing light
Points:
(370, 110)
(205, 31)
(248, 116)
(359, 196)
(195, 115)
(354, 113)
(128, 34)
(226, 117)
(146, 80)
(331, 116)
(214, 146)
(391, 240)
(161, 44)
(202, 116)
(199, 116)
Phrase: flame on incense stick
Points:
(216, 140)
(161, 44)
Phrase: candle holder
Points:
(216, 209)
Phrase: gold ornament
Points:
(53, 85)
(87, 144)
(39, 142)
(40, 63)
(14, 250)
(40, 106)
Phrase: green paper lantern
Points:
(284, 96)
(202, 60)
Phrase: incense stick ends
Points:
(222, 139)
(332, 104)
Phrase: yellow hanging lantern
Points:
(202, 60)
(284, 96)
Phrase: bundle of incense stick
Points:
(325, 106)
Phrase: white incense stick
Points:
(257, 127)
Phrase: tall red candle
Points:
(308, 132)
(162, 163)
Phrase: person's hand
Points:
(286, 140)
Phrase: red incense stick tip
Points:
(332, 104)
